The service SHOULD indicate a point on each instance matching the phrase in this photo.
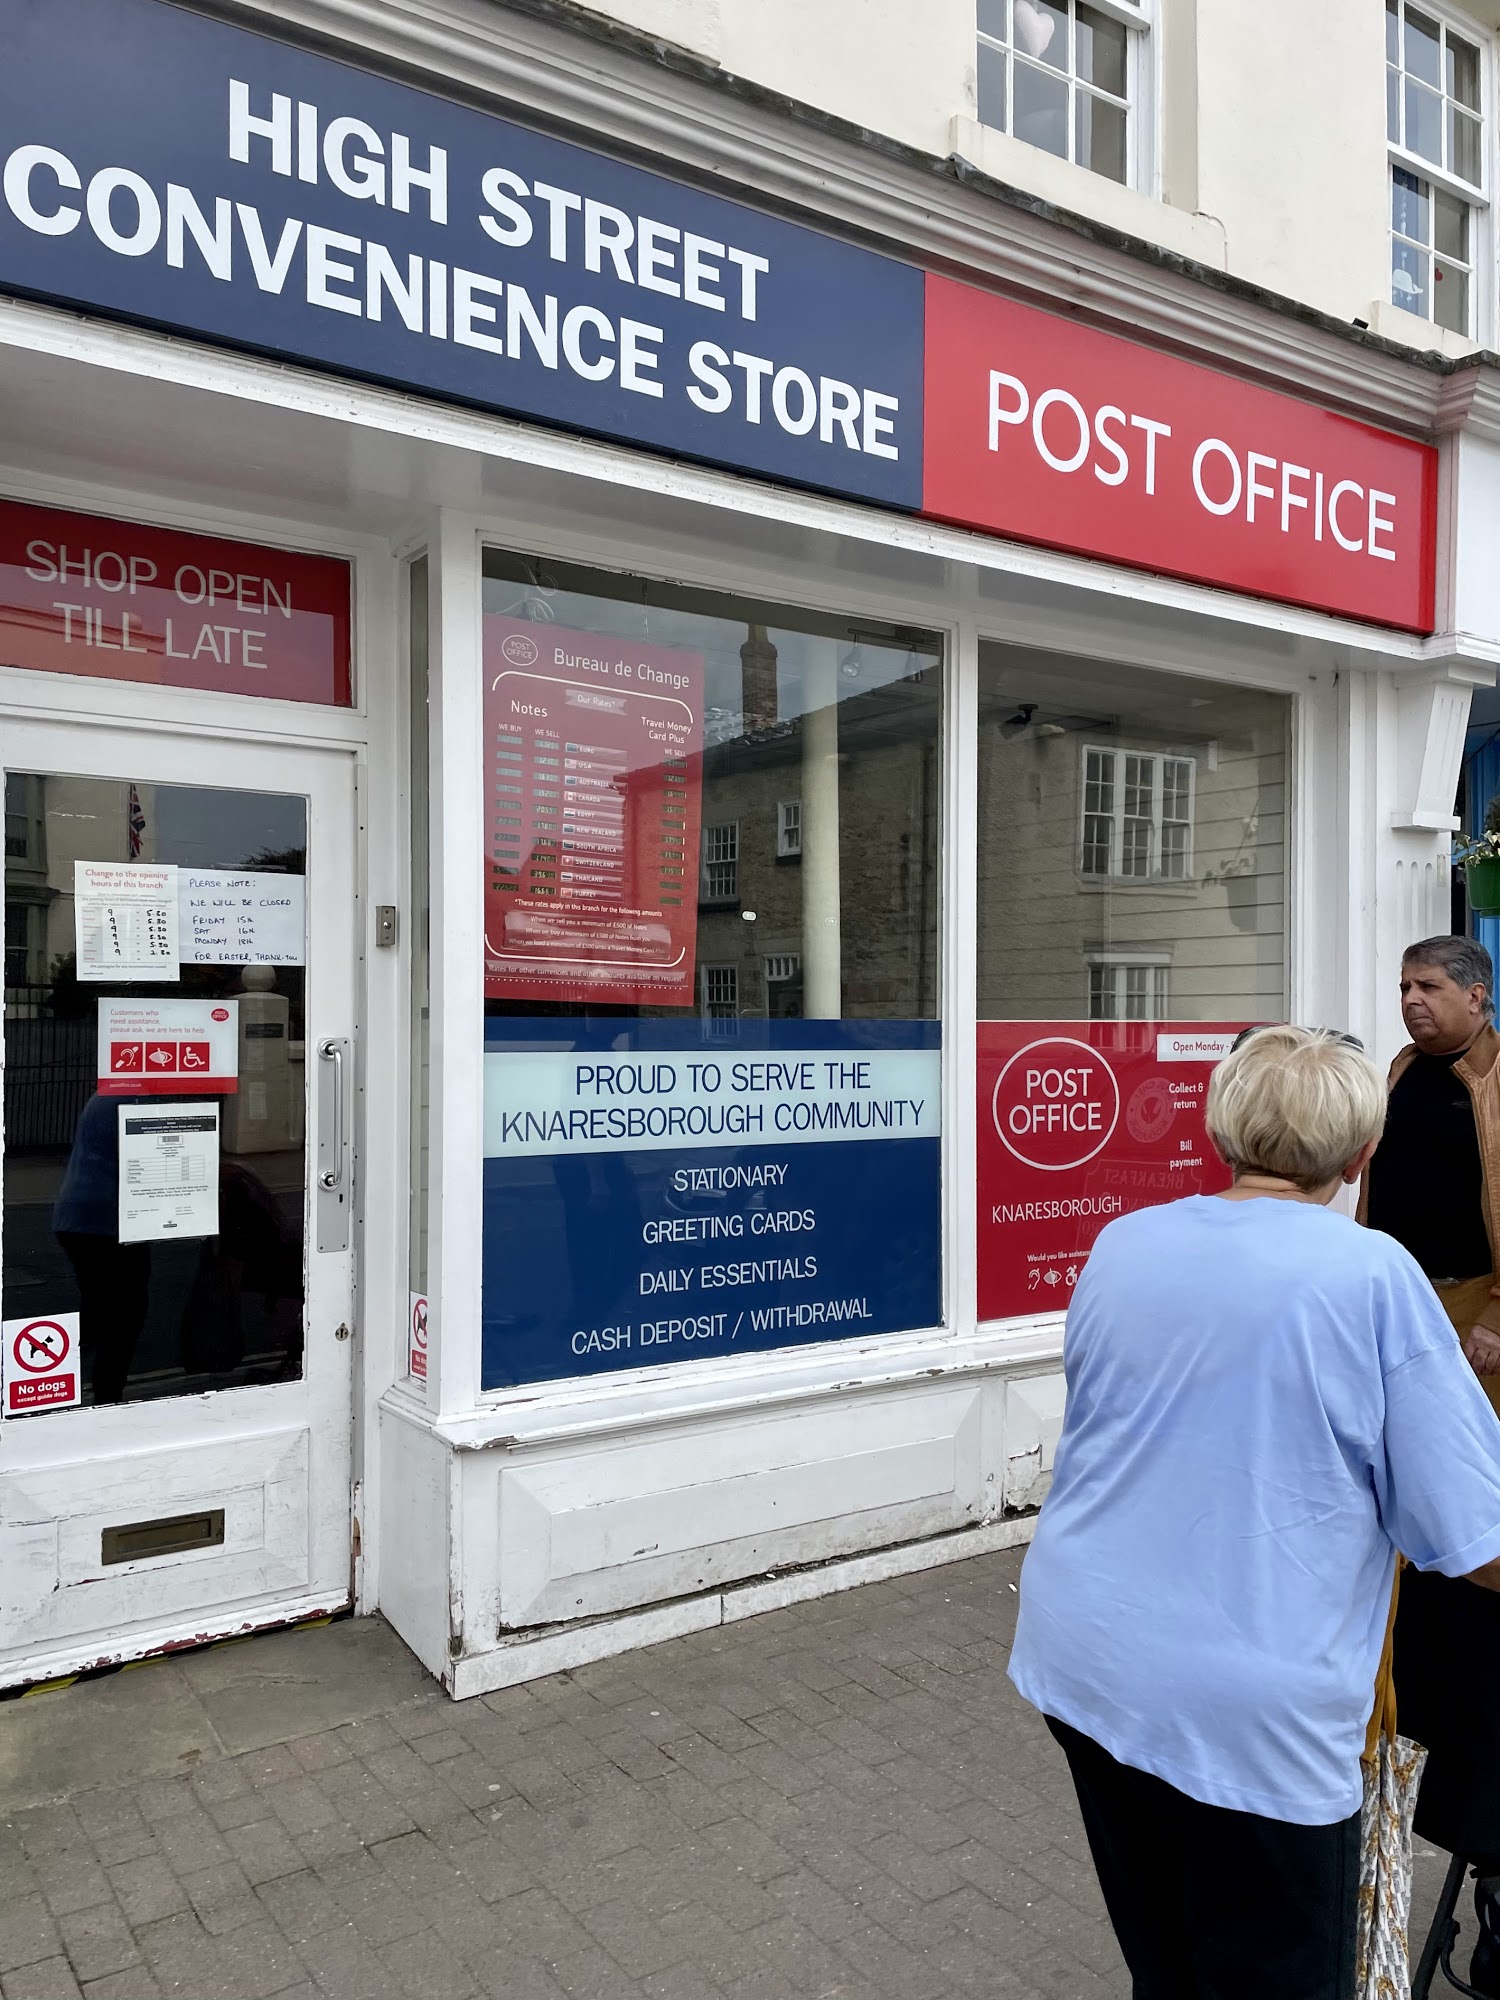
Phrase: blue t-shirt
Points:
(1265, 1401)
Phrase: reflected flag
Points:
(135, 818)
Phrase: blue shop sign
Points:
(662, 1191)
(181, 172)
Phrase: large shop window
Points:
(712, 1055)
(1132, 918)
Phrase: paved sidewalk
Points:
(843, 1800)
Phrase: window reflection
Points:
(1131, 844)
(812, 883)
(164, 1316)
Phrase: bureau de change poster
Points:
(593, 777)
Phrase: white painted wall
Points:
(1291, 146)
(1271, 152)
(900, 70)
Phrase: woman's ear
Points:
(1357, 1165)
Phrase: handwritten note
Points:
(241, 919)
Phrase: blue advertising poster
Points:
(659, 1191)
(176, 170)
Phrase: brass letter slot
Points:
(137, 1541)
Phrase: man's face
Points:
(1439, 1015)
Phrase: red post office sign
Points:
(119, 601)
(1048, 431)
(1081, 1121)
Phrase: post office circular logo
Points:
(521, 651)
(1056, 1104)
(1148, 1115)
(41, 1346)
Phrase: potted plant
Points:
(1480, 861)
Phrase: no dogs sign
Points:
(39, 1363)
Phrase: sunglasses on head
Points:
(1334, 1035)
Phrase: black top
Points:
(1427, 1183)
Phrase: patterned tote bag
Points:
(1392, 1769)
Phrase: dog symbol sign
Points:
(40, 1363)
(416, 1346)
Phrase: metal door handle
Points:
(331, 1141)
(332, 1172)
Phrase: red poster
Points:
(594, 775)
(1046, 430)
(119, 601)
(1081, 1121)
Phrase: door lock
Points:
(341, 1332)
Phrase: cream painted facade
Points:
(1265, 154)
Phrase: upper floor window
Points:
(788, 829)
(1137, 816)
(721, 863)
(1064, 75)
(1435, 111)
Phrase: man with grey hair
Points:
(1435, 1186)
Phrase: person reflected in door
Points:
(1434, 1185)
(254, 1256)
(113, 1278)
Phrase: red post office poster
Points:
(593, 751)
(1081, 1121)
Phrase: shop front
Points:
(628, 821)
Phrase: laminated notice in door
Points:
(169, 1172)
(593, 781)
(168, 1048)
(241, 918)
(125, 920)
(39, 1363)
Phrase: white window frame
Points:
(782, 967)
(724, 1006)
(1140, 89)
(1477, 198)
(1118, 966)
(715, 836)
(789, 829)
(1154, 877)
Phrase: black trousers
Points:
(114, 1291)
(1447, 1635)
(1210, 1904)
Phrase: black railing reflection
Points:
(50, 1069)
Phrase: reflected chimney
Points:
(758, 705)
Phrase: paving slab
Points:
(166, 1717)
(141, 1723)
(268, 1690)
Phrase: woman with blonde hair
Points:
(1265, 1403)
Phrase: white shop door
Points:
(185, 1251)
